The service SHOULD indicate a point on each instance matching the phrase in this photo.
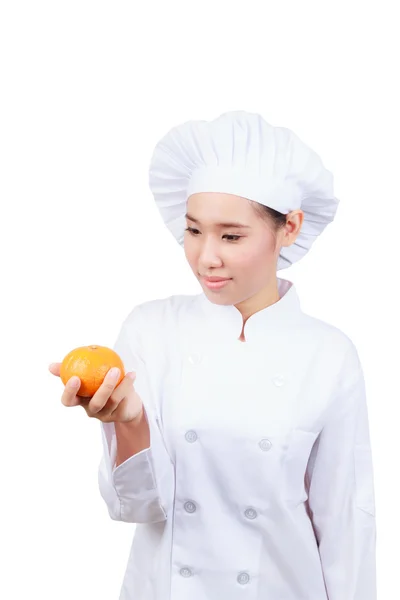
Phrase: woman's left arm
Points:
(340, 486)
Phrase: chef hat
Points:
(240, 153)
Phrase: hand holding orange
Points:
(91, 364)
(107, 397)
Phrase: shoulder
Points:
(333, 344)
(159, 314)
(152, 326)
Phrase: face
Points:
(247, 255)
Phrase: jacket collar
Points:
(225, 322)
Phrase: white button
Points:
(191, 436)
(265, 444)
(250, 513)
(190, 507)
(194, 358)
(186, 572)
(243, 578)
(278, 380)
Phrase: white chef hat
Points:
(240, 153)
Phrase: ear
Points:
(291, 230)
(296, 221)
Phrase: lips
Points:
(216, 285)
(214, 279)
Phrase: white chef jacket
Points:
(258, 482)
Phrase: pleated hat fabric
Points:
(240, 153)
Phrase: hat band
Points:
(279, 194)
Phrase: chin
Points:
(216, 298)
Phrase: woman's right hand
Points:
(111, 403)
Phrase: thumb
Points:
(131, 375)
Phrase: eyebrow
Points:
(232, 224)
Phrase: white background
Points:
(87, 90)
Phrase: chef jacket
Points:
(258, 482)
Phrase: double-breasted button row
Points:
(190, 507)
(250, 513)
(242, 577)
(191, 436)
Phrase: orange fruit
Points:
(91, 364)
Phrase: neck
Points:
(265, 297)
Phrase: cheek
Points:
(255, 255)
(189, 249)
(190, 252)
(254, 262)
(244, 259)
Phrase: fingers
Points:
(107, 398)
(108, 394)
(69, 397)
(54, 368)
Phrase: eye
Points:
(237, 237)
(195, 231)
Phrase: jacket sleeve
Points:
(340, 485)
(139, 490)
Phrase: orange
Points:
(90, 364)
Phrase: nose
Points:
(209, 255)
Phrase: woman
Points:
(243, 453)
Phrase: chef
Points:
(257, 483)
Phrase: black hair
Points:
(270, 215)
(274, 218)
